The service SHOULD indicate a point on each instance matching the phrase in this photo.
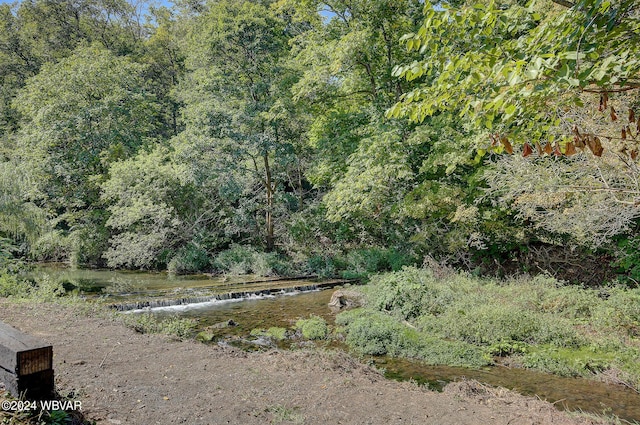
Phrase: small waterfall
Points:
(222, 297)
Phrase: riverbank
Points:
(123, 377)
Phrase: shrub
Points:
(620, 311)
(568, 362)
(13, 286)
(314, 327)
(363, 262)
(410, 293)
(239, 260)
(88, 243)
(369, 333)
(41, 289)
(375, 333)
(487, 324)
(235, 260)
(322, 266)
(275, 332)
(268, 264)
(52, 246)
(191, 258)
(148, 323)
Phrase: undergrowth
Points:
(150, 324)
(464, 320)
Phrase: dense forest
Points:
(333, 137)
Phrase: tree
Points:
(78, 116)
(165, 58)
(516, 71)
(154, 209)
(236, 110)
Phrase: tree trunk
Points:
(269, 205)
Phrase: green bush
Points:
(620, 311)
(411, 293)
(275, 332)
(268, 264)
(363, 262)
(368, 332)
(148, 323)
(13, 286)
(570, 302)
(189, 259)
(322, 266)
(42, 289)
(235, 260)
(628, 261)
(88, 242)
(487, 324)
(52, 246)
(239, 260)
(568, 362)
(376, 333)
(314, 327)
(460, 319)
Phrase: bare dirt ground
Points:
(123, 377)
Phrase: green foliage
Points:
(148, 323)
(52, 246)
(362, 262)
(539, 321)
(314, 327)
(13, 286)
(79, 115)
(58, 417)
(88, 241)
(239, 260)
(628, 261)
(560, 200)
(205, 336)
(189, 259)
(412, 292)
(583, 362)
(277, 333)
(370, 333)
(39, 289)
(517, 69)
(19, 219)
(620, 311)
(322, 266)
(236, 260)
(375, 333)
(8, 257)
(239, 114)
(490, 324)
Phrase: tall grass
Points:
(460, 319)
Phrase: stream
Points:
(253, 302)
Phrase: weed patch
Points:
(464, 320)
(149, 324)
(313, 328)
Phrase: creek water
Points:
(281, 306)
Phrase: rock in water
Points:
(344, 298)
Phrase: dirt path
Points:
(123, 377)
